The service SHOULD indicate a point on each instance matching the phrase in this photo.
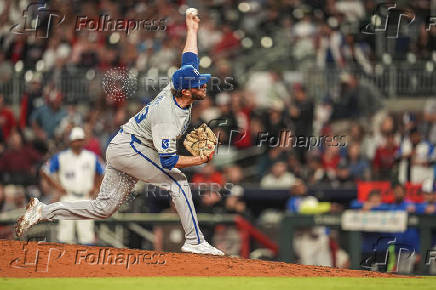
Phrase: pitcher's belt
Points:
(137, 140)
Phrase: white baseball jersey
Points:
(144, 149)
(76, 172)
(160, 123)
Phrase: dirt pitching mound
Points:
(41, 259)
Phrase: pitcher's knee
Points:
(103, 211)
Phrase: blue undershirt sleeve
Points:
(168, 161)
(54, 164)
(190, 58)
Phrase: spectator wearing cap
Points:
(75, 174)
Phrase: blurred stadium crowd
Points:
(49, 85)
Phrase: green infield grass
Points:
(216, 283)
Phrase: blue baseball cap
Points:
(188, 77)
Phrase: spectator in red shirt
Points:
(330, 160)
(7, 120)
(18, 162)
(92, 143)
(384, 159)
(208, 174)
(229, 42)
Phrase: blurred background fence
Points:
(399, 80)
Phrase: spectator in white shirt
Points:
(279, 177)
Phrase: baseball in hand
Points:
(192, 11)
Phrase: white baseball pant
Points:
(84, 228)
(128, 161)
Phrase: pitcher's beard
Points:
(198, 97)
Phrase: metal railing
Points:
(399, 80)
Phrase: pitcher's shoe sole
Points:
(30, 218)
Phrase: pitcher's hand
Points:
(192, 22)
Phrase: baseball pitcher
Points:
(145, 149)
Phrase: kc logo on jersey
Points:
(165, 143)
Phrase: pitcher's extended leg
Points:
(113, 190)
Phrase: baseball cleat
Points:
(202, 248)
(30, 218)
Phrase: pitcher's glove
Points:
(201, 142)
